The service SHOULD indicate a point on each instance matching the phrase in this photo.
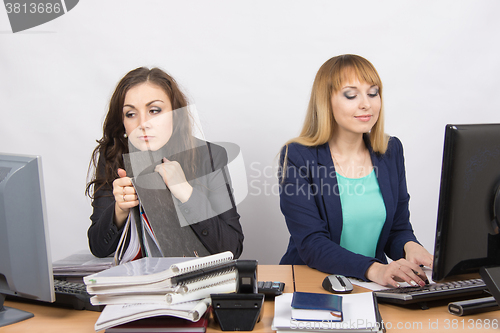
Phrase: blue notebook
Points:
(316, 307)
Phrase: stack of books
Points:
(178, 287)
(314, 312)
(316, 307)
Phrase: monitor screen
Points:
(25, 261)
(467, 233)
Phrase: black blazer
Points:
(221, 232)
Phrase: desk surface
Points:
(302, 278)
(409, 319)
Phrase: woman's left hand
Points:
(417, 254)
(174, 178)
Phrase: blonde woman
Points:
(343, 183)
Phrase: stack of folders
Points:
(314, 312)
(148, 287)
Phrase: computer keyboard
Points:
(74, 294)
(432, 292)
(68, 294)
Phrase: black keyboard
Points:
(74, 294)
(68, 294)
(432, 292)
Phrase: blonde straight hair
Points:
(320, 124)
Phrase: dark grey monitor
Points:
(467, 233)
(25, 260)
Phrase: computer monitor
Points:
(25, 260)
(467, 233)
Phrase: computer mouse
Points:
(336, 283)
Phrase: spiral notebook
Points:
(221, 279)
(224, 283)
(153, 270)
(162, 324)
(227, 284)
(114, 315)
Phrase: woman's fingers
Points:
(171, 172)
(129, 196)
(417, 254)
(395, 272)
(383, 274)
(124, 192)
(128, 204)
(175, 179)
(121, 173)
(408, 272)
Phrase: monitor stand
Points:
(10, 315)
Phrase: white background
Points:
(248, 67)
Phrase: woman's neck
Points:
(347, 146)
(350, 156)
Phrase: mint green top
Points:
(363, 213)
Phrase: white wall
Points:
(248, 66)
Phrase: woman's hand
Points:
(174, 178)
(396, 271)
(125, 197)
(417, 254)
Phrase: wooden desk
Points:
(54, 320)
(408, 319)
(301, 278)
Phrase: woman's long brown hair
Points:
(113, 144)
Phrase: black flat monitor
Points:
(467, 233)
(25, 260)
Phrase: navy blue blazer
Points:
(311, 205)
